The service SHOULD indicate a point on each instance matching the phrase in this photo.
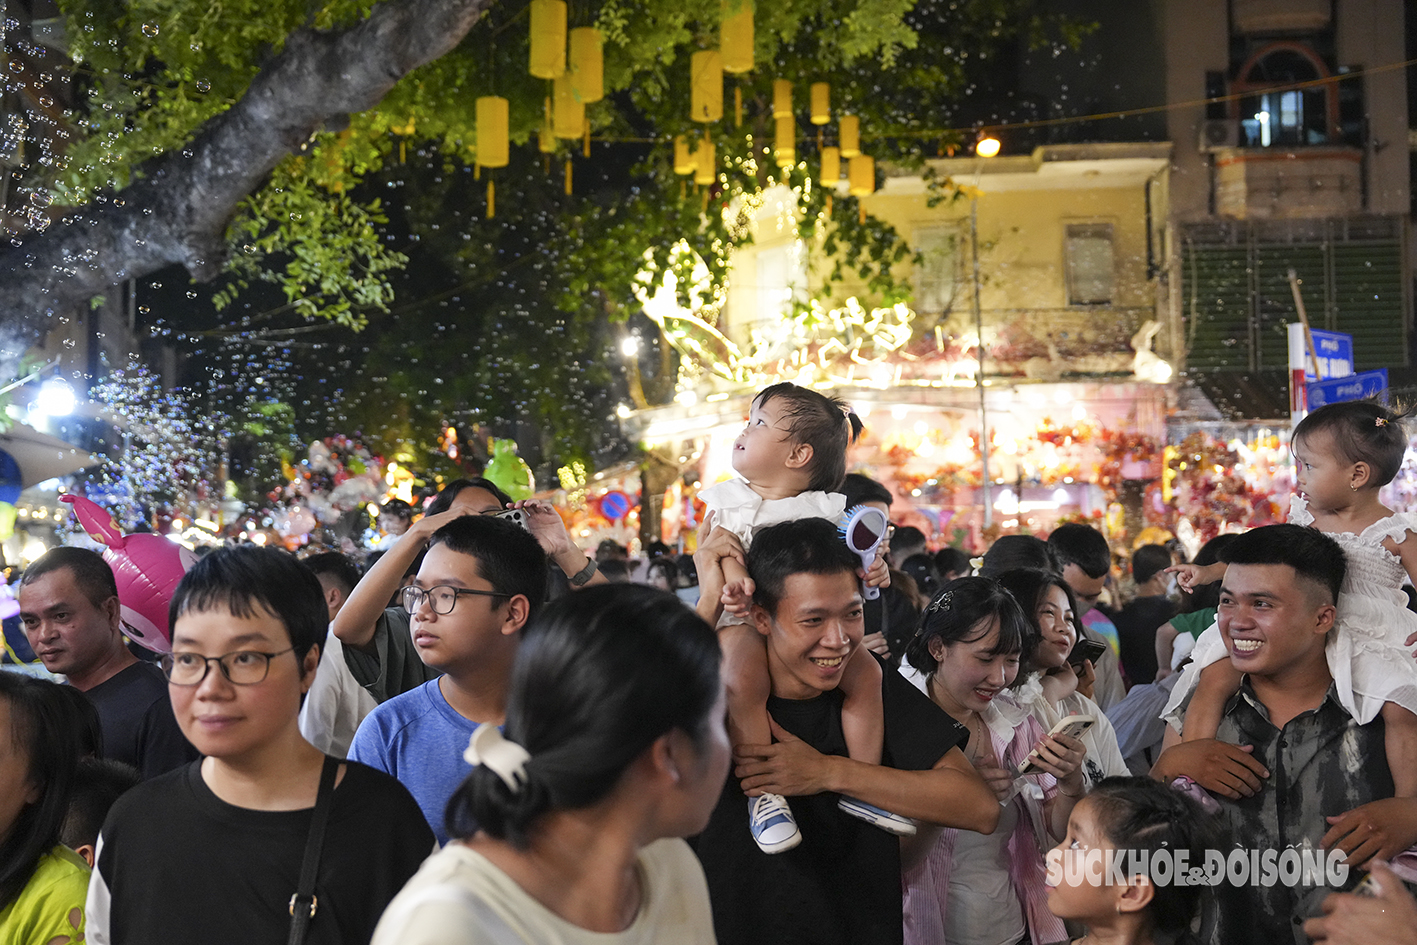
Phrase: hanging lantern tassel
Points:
(548, 39)
(735, 35)
(491, 199)
(546, 137)
(821, 103)
(568, 177)
(737, 107)
(476, 171)
(706, 85)
(850, 136)
(585, 148)
(829, 204)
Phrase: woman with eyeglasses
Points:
(217, 851)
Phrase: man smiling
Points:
(1295, 769)
(842, 884)
(480, 582)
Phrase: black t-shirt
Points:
(183, 866)
(136, 717)
(394, 667)
(1137, 624)
(841, 886)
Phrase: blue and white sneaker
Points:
(890, 823)
(774, 828)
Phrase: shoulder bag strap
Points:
(304, 904)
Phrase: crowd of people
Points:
(794, 735)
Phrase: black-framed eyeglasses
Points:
(242, 668)
(442, 598)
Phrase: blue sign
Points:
(1335, 353)
(1354, 387)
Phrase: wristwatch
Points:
(582, 577)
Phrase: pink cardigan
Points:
(925, 885)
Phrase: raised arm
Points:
(546, 526)
(354, 624)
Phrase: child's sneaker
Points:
(774, 828)
(890, 823)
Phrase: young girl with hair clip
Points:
(42, 882)
(1121, 815)
(1344, 454)
(568, 826)
(792, 457)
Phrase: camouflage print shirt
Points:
(1321, 763)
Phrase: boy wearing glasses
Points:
(212, 852)
(480, 581)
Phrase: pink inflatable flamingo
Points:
(147, 569)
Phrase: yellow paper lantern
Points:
(821, 103)
(548, 39)
(735, 36)
(568, 112)
(587, 64)
(705, 169)
(781, 98)
(706, 85)
(492, 131)
(784, 143)
(862, 175)
(684, 162)
(850, 133)
(831, 167)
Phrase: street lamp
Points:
(985, 147)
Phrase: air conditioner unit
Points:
(1217, 133)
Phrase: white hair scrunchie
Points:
(506, 759)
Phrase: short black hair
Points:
(1148, 560)
(507, 555)
(98, 782)
(1082, 545)
(1314, 556)
(242, 579)
(616, 570)
(449, 493)
(1363, 431)
(338, 566)
(824, 423)
(398, 508)
(1011, 552)
(956, 610)
(908, 539)
(803, 546)
(91, 573)
(952, 560)
(860, 489)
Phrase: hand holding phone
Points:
(1072, 726)
(1086, 649)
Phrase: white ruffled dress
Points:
(742, 511)
(1366, 652)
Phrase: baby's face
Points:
(761, 451)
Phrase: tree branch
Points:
(178, 208)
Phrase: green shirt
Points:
(1194, 623)
(393, 667)
(50, 909)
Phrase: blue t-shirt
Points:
(419, 739)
